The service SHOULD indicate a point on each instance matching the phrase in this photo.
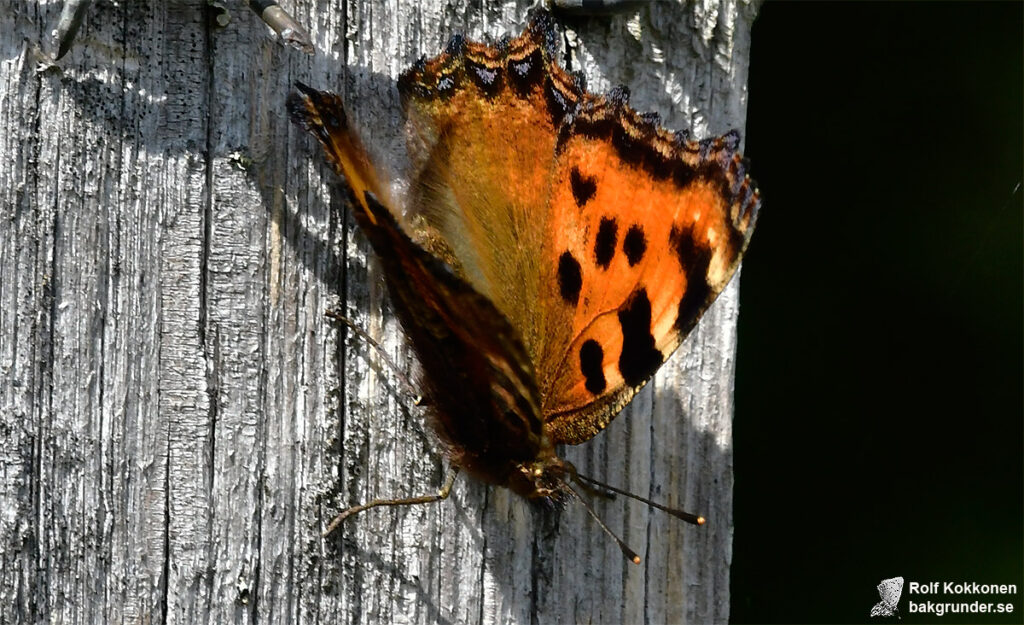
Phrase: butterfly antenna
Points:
(406, 382)
(679, 514)
(626, 551)
(289, 30)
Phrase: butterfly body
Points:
(556, 248)
(485, 408)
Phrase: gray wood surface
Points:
(178, 420)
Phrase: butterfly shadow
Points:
(559, 547)
(396, 576)
(211, 115)
(530, 558)
(666, 460)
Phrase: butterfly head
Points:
(544, 477)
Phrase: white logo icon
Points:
(890, 590)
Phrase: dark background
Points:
(879, 412)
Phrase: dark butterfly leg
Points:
(595, 7)
(71, 15)
(409, 386)
(441, 494)
(287, 28)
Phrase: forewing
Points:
(483, 130)
(480, 381)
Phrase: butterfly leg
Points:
(446, 490)
(286, 27)
(337, 316)
(71, 15)
(595, 7)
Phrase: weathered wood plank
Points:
(178, 420)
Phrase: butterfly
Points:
(556, 247)
(890, 591)
(289, 30)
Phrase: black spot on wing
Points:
(639, 358)
(694, 260)
(604, 245)
(591, 366)
(634, 244)
(583, 188)
(570, 278)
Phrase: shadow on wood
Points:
(178, 419)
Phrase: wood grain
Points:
(178, 419)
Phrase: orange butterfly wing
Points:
(601, 237)
(480, 383)
(649, 229)
(483, 142)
